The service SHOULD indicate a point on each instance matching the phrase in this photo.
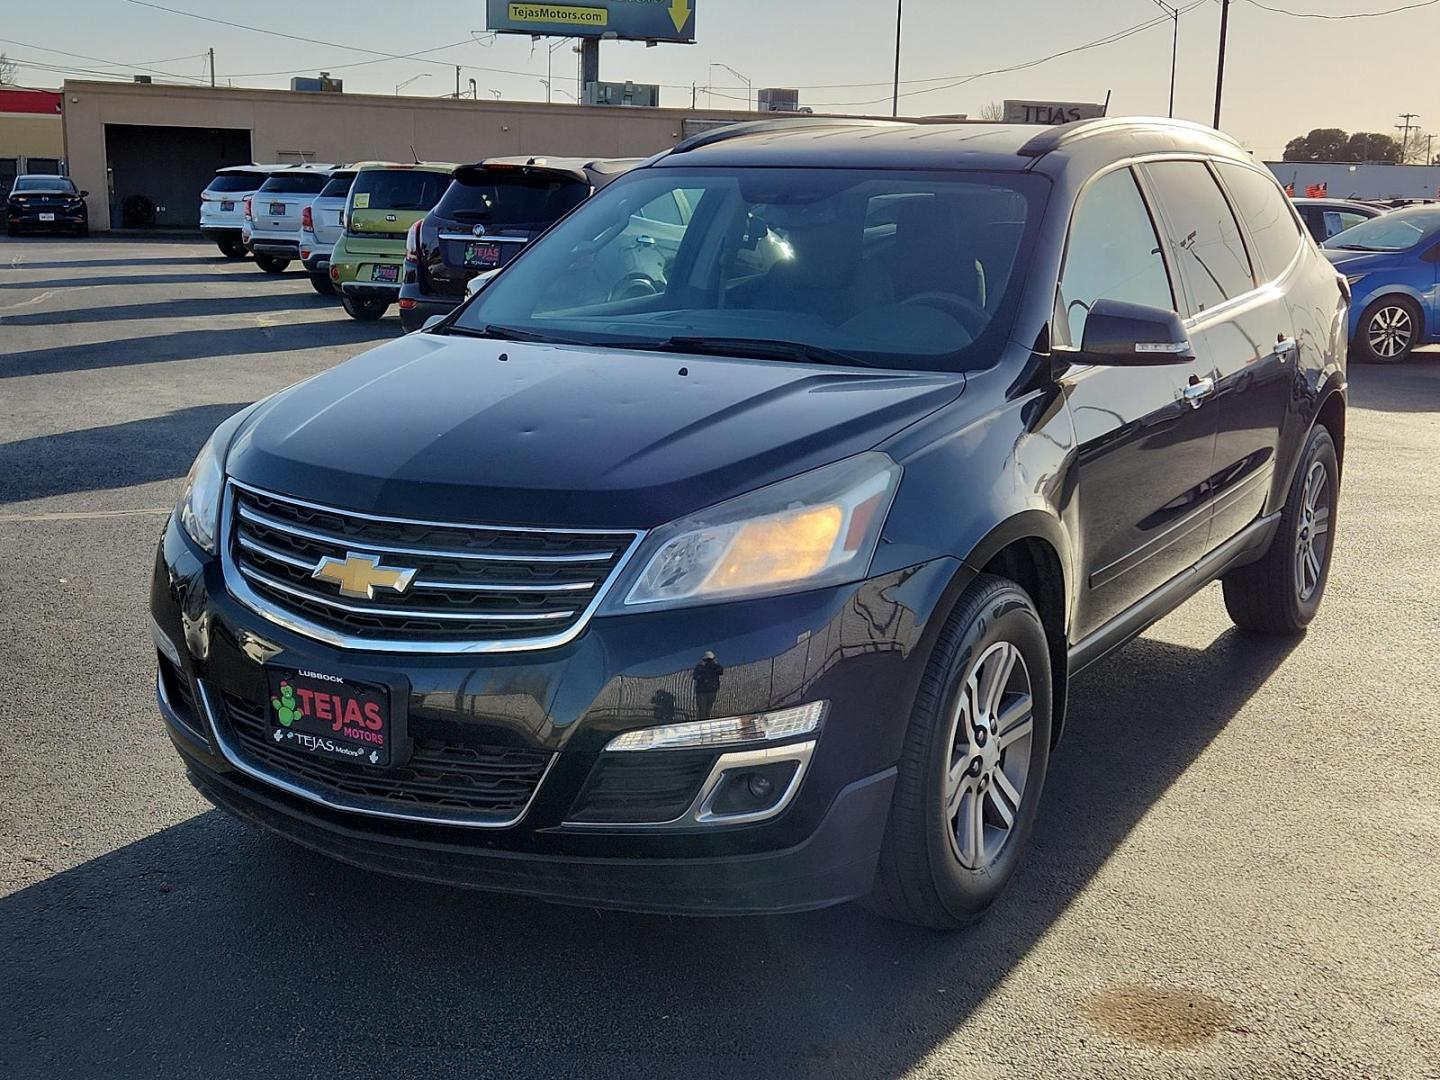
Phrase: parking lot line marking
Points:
(84, 515)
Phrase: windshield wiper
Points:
(759, 348)
(509, 333)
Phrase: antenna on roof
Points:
(413, 154)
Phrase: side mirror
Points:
(84, 194)
(432, 322)
(1120, 334)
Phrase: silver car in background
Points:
(321, 224)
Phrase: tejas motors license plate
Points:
(311, 712)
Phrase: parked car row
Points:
(379, 233)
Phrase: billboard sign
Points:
(627, 20)
(1051, 112)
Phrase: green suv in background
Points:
(385, 200)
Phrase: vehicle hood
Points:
(462, 429)
(1360, 262)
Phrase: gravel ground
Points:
(1236, 872)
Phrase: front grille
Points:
(468, 785)
(641, 788)
(471, 583)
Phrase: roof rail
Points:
(1055, 137)
(759, 127)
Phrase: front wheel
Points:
(973, 765)
(271, 264)
(1281, 593)
(322, 284)
(1389, 330)
(231, 249)
(364, 310)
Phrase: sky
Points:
(1284, 74)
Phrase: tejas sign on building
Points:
(627, 20)
(1051, 112)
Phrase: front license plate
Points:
(47, 217)
(226, 204)
(325, 716)
(277, 209)
(385, 273)
(482, 255)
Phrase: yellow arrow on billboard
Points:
(679, 13)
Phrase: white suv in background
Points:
(275, 212)
(222, 205)
(321, 224)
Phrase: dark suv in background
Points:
(488, 213)
(760, 587)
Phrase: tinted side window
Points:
(1265, 210)
(1113, 254)
(1204, 236)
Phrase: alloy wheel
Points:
(992, 731)
(1390, 331)
(1312, 539)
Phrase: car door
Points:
(1239, 320)
(1146, 443)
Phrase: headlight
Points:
(199, 506)
(819, 528)
(1353, 278)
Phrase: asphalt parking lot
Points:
(1236, 871)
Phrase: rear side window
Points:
(1266, 212)
(1113, 254)
(399, 189)
(1204, 235)
(237, 182)
(296, 183)
(338, 186)
(501, 201)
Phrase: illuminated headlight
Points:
(819, 528)
(731, 731)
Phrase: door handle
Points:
(1197, 390)
(1286, 347)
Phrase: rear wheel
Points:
(1281, 593)
(82, 231)
(1389, 330)
(973, 765)
(322, 284)
(271, 264)
(364, 310)
(231, 249)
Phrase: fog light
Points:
(731, 731)
(760, 785)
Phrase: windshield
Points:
(338, 187)
(44, 183)
(295, 183)
(498, 199)
(225, 182)
(1397, 231)
(895, 269)
(398, 189)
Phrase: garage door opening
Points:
(156, 174)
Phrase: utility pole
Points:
(212, 69)
(1429, 156)
(694, 93)
(1405, 128)
(589, 63)
(1174, 14)
(457, 82)
(1220, 62)
(899, 18)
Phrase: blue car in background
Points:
(1393, 265)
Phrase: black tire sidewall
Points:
(271, 265)
(322, 284)
(1320, 445)
(1362, 335)
(1002, 614)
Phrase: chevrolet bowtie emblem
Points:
(359, 576)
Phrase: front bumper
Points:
(622, 673)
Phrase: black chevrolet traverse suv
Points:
(761, 589)
(487, 215)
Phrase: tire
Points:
(364, 310)
(232, 249)
(271, 264)
(82, 231)
(1281, 593)
(928, 875)
(11, 230)
(322, 284)
(1389, 330)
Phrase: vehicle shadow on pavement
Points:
(114, 456)
(194, 345)
(1413, 386)
(179, 308)
(210, 950)
(64, 264)
(132, 280)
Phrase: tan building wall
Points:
(354, 127)
(25, 135)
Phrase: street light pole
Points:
(899, 19)
(1220, 63)
(749, 87)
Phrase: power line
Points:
(100, 60)
(120, 76)
(1351, 15)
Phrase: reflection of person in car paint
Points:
(707, 684)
